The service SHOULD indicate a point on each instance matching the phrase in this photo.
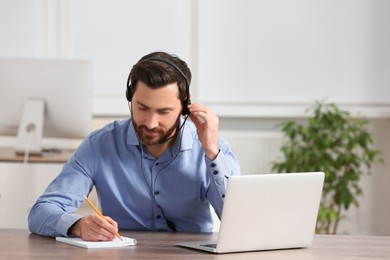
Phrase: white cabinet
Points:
(20, 186)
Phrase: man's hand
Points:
(206, 123)
(95, 228)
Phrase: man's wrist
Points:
(75, 229)
(212, 155)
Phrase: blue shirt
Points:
(134, 188)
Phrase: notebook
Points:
(266, 212)
(76, 241)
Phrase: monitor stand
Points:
(30, 132)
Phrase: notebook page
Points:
(76, 241)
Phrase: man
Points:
(154, 171)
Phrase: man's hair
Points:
(156, 73)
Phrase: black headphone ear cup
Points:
(129, 95)
(185, 110)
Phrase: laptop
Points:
(267, 212)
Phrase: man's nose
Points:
(152, 121)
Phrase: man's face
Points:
(155, 112)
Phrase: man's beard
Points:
(154, 140)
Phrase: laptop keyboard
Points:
(210, 245)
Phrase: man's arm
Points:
(53, 212)
(220, 160)
(219, 170)
(206, 123)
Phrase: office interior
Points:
(255, 63)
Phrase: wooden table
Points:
(20, 244)
(7, 154)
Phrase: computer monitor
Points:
(44, 98)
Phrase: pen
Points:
(98, 212)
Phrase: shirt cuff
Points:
(66, 221)
(217, 170)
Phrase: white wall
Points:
(293, 51)
(277, 53)
(254, 63)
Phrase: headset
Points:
(185, 102)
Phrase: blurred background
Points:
(255, 63)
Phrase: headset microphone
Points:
(166, 138)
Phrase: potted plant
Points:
(333, 142)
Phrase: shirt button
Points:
(157, 163)
(158, 216)
(223, 196)
(213, 165)
(215, 172)
(156, 193)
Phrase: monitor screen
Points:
(51, 97)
